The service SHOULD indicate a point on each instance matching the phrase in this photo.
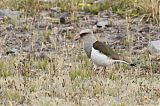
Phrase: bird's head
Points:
(83, 34)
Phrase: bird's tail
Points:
(125, 62)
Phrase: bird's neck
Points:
(90, 39)
(88, 44)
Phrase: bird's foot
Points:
(99, 70)
(94, 71)
(103, 71)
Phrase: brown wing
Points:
(105, 49)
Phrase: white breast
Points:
(100, 59)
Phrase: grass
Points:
(5, 70)
(64, 76)
(149, 9)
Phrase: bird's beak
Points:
(77, 37)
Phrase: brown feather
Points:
(105, 49)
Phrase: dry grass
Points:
(148, 8)
(64, 77)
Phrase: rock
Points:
(66, 29)
(44, 14)
(144, 30)
(47, 1)
(2, 15)
(12, 51)
(154, 47)
(55, 9)
(9, 13)
(55, 12)
(9, 27)
(103, 24)
(43, 25)
(63, 18)
(116, 37)
(98, 1)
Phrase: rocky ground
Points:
(41, 64)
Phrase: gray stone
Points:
(44, 13)
(99, 1)
(154, 46)
(102, 24)
(55, 9)
(12, 51)
(9, 27)
(2, 15)
(63, 18)
(48, 1)
(9, 13)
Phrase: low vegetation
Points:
(56, 71)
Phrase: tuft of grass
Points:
(112, 76)
(111, 92)
(83, 70)
(27, 7)
(96, 8)
(47, 36)
(4, 69)
(14, 96)
(148, 8)
(97, 89)
(119, 104)
(79, 73)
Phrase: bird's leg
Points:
(94, 69)
(103, 70)
(98, 70)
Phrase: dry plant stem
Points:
(130, 37)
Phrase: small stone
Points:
(98, 1)
(9, 13)
(102, 24)
(63, 18)
(55, 9)
(9, 27)
(144, 30)
(154, 47)
(2, 15)
(66, 29)
(47, 1)
(44, 13)
(12, 51)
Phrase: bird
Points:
(100, 53)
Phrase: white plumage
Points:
(99, 59)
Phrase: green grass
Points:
(82, 74)
(83, 70)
